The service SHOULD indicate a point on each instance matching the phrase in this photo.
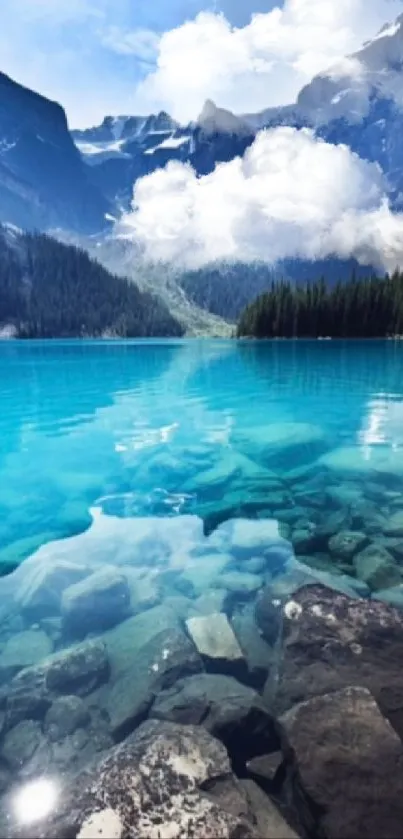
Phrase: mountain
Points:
(43, 181)
(123, 149)
(359, 102)
(49, 289)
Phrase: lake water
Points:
(194, 474)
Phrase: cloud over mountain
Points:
(291, 195)
(262, 64)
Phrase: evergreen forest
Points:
(52, 290)
(365, 307)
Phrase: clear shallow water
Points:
(200, 471)
(84, 420)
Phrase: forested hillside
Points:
(50, 290)
(360, 308)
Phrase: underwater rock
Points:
(20, 744)
(23, 650)
(229, 710)
(65, 715)
(124, 641)
(331, 641)
(346, 760)
(78, 670)
(98, 602)
(270, 823)
(211, 601)
(164, 780)
(202, 572)
(240, 583)
(393, 596)
(278, 444)
(269, 615)
(347, 543)
(166, 657)
(144, 587)
(215, 641)
(42, 584)
(258, 654)
(394, 524)
(249, 536)
(378, 461)
(376, 567)
(267, 766)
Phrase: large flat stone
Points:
(162, 660)
(98, 602)
(277, 445)
(216, 642)
(348, 762)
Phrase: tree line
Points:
(52, 290)
(365, 307)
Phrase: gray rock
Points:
(266, 766)
(212, 601)
(20, 743)
(65, 715)
(158, 664)
(254, 565)
(202, 572)
(78, 670)
(99, 602)
(40, 589)
(268, 615)
(23, 650)
(275, 445)
(215, 641)
(348, 761)
(347, 543)
(394, 524)
(269, 821)
(240, 583)
(232, 712)
(154, 784)
(376, 567)
(124, 642)
(258, 653)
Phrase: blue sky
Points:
(61, 48)
(128, 56)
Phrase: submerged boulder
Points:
(376, 567)
(78, 670)
(229, 710)
(98, 602)
(216, 642)
(42, 584)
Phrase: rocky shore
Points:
(236, 672)
(281, 720)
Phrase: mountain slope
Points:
(48, 289)
(43, 181)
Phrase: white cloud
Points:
(262, 64)
(291, 195)
(142, 43)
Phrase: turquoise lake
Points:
(145, 484)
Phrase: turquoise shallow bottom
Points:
(196, 473)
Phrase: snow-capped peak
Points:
(214, 120)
